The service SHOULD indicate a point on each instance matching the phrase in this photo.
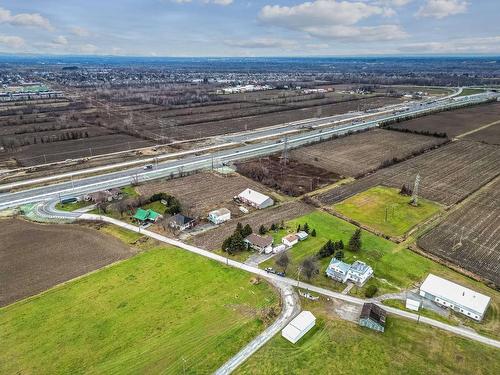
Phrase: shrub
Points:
(370, 291)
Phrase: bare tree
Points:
(283, 261)
(310, 267)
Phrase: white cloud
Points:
(333, 19)
(261, 43)
(88, 48)
(12, 41)
(319, 12)
(25, 19)
(80, 31)
(490, 45)
(442, 8)
(60, 40)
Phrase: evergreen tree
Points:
(355, 241)
(299, 228)
(239, 228)
(339, 255)
(313, 233)
(246, 231)
(262, 230)
(306, 228)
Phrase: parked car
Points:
(270, 270)
(148, 166)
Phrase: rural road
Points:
(290, 308)
(49, 210)
(193, 163)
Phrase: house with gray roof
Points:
(358, 272)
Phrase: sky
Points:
(236, 28)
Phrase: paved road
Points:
(50, 210)
(193, 163)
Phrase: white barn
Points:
(255, 199)
(299, 326)
(219, 216)
(455, 296)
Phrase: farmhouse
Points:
(290, 240)
(460, 299)
(147, 216)
(260, 243)
(181, 222)
(372, 317)
(358, 272)
(255, 199)
(299, 326)
(219, 216)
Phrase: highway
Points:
(321, 131)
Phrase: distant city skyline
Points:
(233, 28)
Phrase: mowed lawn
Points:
(163, 311)
(386, 211)
(340, 347)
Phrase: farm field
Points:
(456, 122)
(212, 239)
(293, 178)
(56, 130)
(203, 192)
(448, 174)
(36, 257)
(358, 154)
(163, 310)
(385, 210)
(336, 346)
(470, 236)
(490, 134)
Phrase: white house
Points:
(358, 272)
(455, 296)
(290, 240)
(219, 216)
(299, 326)
(255, 199)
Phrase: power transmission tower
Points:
(414, 197)
(285, 151)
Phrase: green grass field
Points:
(340, 347)
(471, 91)
(162, 311)
(72, 206)
(386, 211)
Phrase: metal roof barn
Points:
(299, 326)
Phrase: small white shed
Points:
(299, 326)
(412, 304)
